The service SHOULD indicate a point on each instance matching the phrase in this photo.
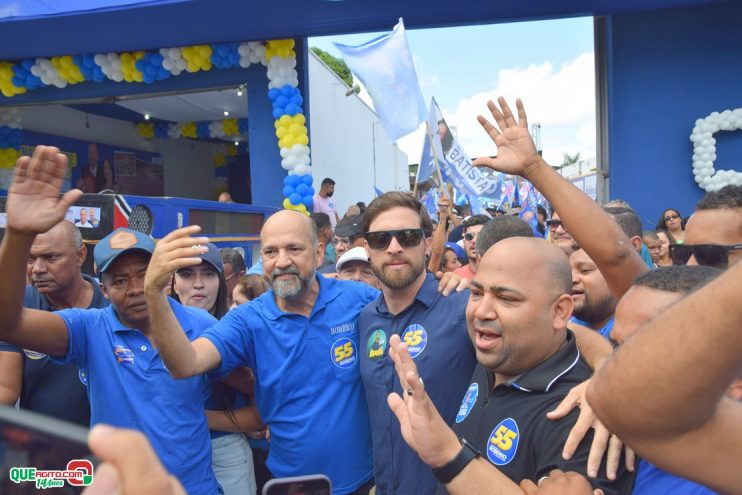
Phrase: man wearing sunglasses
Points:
(559, 236)
(713, 234)
(471, 228)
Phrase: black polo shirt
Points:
(49, 388)
(508, 424)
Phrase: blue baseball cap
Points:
(118, 242)
(456, 249)
(213, 257)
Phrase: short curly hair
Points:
(726, 197)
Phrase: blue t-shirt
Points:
(50, 389)
(605, 330)
(651, 480)
(434, 328)
(129, 387)
(307, 384)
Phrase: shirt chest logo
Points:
(468, 403)
(416, 338)
(83, 377)
(376, 345)
(343, 353)
(124, 354)
(503, 442)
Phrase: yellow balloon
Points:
(287, 204)
(187, 52)
(206, 65)
(285, 120)
(282, 52)
(280, 132)
(303, 139)
(300, 119)
(126, 57)
(289, 140)
(295, 129)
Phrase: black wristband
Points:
(449, 471)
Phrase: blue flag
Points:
(427, 164)
(378, 191)
(385, 67)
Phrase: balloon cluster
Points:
(24, 75)
(281, 68)
(144, 67)
(225, 55)
(252, 52)
(298, 191)
(704, 149)
(290, 125)
(286, 100)
(194, 130)
(151, 68)
(223, 157)
(88, 68)
(10, 139)
(67, 69)
(197, 57)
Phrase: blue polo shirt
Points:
(129, 386)
(605, 330)
(50, 389)
(307, 384)
(434, 328)
(651, 480)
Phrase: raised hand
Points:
(176, 250)
(33, 204)
(516, 152)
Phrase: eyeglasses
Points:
(345, 240)
(671, 217)
(405, 237)
(716, 255)
(554, 224)
(470, 237)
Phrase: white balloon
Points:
(301, 170)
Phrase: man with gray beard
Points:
(301, 340)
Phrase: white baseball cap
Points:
(355, 254)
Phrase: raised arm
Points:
(33, 206)
(182, 357)
(595, 231)
(11, 377)
(663, 391)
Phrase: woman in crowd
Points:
(227, 410)
(672, 222)
(665, 249)
(248, 288)
(451, 258)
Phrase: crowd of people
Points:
(392, 354)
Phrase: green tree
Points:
(337, 65)
(568, 159)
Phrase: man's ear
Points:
(636, 241)
(82, 253)
(563, 311)
(103, 289)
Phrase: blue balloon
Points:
(295, 199)
(294, 180)
(308, 201)
(292, 109)
(277, 113)
(307, 179)
(282, 101)
(297, 100)
(287, 191)
(287, 182)
(287, 90)
(302, 189)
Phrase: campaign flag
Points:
(427, 163)
(456, 166)
(378, 191)
(430, 201)
(384, 65)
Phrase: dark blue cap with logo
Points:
(118, 242)
(213, 257)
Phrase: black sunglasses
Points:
(554, 224)
(405, 237)
(716, 255)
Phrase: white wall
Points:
(343, 130)
(188, 164)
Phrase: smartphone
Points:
(42, 453)
(313, 484)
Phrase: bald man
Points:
(53, 269)
(528, 361)
(301, 340)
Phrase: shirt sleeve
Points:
(77, 338)
(232, 337)
(5, 347)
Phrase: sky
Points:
(548, 64)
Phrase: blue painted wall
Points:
(667, 69)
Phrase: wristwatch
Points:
(450, 470)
